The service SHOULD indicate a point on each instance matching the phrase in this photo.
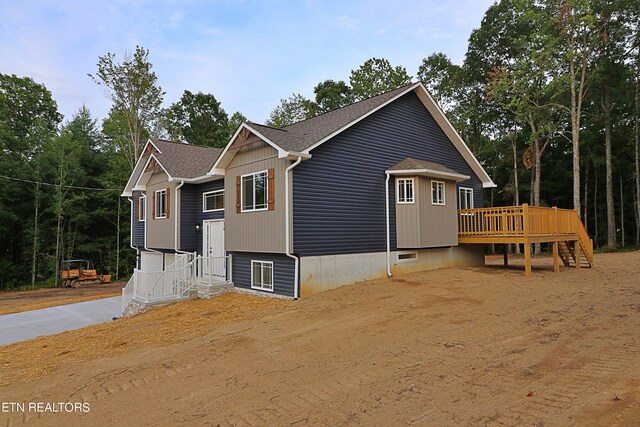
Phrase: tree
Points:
(441, 78)
(28, 121)
(576, 29)
(332, 95)
(291, 110)
(133, 88)
(525, 84)
(377, 76)
(235, 121)
(62, 158)
(197, 119)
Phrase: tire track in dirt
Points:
(566, 394)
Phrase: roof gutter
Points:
(386, 192)
(287, 231)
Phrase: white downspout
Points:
(386, 188)
(287, 243)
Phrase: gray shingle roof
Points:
(409, 163)
(185, 160)
(302, 135)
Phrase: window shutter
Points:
(238, 201)
(271, 189)
(168, 203)
(153, 205)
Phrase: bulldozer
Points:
(78, 272)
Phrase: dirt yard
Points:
(14, 302)
(473, 346)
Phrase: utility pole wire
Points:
(56, 185)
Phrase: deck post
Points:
(556, 262)
(527, 244)
(506, 254)
(577, 252)
(527, 259)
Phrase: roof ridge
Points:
(349, 105)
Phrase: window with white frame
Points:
(254, 192)
(466, 198)
(262, 275)
(213, 201)
(405, 190)
(142, 209)
(437, 192)
(161, 204)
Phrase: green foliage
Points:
(291, 110)
(133, 88)
(235, 121)
(331, 95)
(377, 76)
(442, 79)
(197, 119)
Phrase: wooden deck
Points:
(526, 225)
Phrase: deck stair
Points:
(528, 225)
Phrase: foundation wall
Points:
(320, 273)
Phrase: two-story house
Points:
(368, 190)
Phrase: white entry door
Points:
(214, 263)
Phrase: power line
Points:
(56, 185)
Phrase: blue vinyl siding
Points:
(283, 271)
(191, 213)
(138, 226)
(339, 200)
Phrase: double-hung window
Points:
(254, 192)
(161, 204)
(262, 275)
(213, 201)
(142, 209)
(437, 192)
(405, 190)
(466, 198)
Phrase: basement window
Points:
(407, 257)
(262, 275)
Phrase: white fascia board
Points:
(348, 125)
(154, 146)
(137, 184)
(226, 148)
(215, 169)
(457, 140)
(430, 172)
(136, 173)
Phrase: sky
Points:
(249, 54)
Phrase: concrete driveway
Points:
(48, 321)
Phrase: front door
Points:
(214, 263)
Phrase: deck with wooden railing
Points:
(526, 225)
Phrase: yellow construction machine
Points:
(78, 272)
